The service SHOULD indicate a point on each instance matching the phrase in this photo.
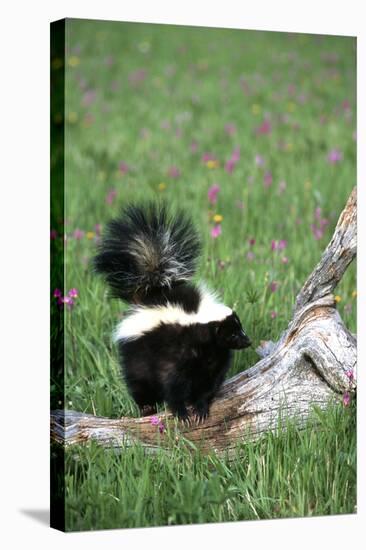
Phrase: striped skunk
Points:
(175, 343)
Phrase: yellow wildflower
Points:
(90, 235)
(337, 298)
(72, 117)
(162, 186)
(217, 218)
(354, 294)
(74, 61)
(212, 164)
(256, 109)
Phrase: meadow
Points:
(254, 134)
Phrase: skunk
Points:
(175, 342)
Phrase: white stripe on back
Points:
(144, 319)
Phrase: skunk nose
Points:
(245, 340)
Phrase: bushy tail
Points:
(145, 250)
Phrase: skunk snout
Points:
(243, 340)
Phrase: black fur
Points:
(144, 252)
(147, 259)
(181, 365)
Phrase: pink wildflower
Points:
(68, 301)
(334, 156)
(57, 293)
(234, 159)
(230, 129)
(282, 244)
(194, 147)
(284, 259)
(267, 179)
(123, 167)
(264, 128)
(251, 242)
(350, 375)
(208, 156)
(154, 420)
(273, 286)
(216, 231)
(278, 245)
(78, 234)
(213, 192)
(73, 293)
(88, 98)
(173, 172)
(273, 314)
(346, 399)
(229, 166)
(137, 77)
(111, 195)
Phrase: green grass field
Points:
(164, 112)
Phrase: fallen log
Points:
(313, 363)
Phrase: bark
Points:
(313, 363)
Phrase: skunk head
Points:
(230, 333)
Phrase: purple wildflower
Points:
(194, 147)
(213, 192)
(53, 234)
(251, 242)
(250, 256)
(273, 314)
(57, 293)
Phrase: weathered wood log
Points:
(313, 363)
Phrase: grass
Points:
(155, 97)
